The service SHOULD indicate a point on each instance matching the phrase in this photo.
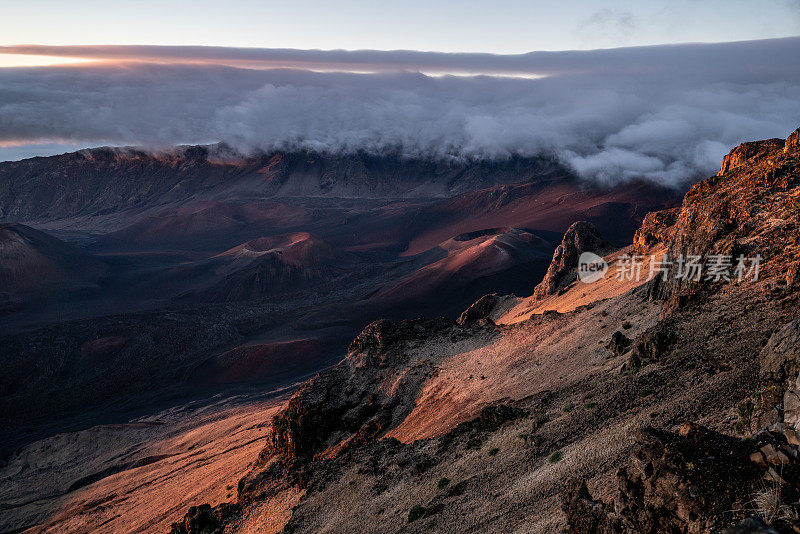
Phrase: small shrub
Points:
(493, 451)
(416, 512)
(745, 411)
(555, 457)
(568, 407)
(594, 383)
(672, 383)
(591, 405)
(524, 436)
(645, 392)
(769, 504)
(442, 484)
(626, 325)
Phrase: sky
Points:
(498, 26)
(609, 88)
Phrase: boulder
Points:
(695, 481)
(619, 343)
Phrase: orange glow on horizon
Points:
(24, 60)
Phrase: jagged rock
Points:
(581, 237)
(696, 481)
(655, 230)
(382, 334)
(780, 368)
(619, 343)
(650, 346)
(749, 151)
(481, 309)
(584, 514)
(792, 142)
(487, 308)
(719, 215)
(349, 404)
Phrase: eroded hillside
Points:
(519, 416)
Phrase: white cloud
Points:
(662, 113)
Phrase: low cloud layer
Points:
(662, 113)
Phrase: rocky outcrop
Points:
(746, 152)
(581, 237)
(792, 142)
(348, 406)
(780, 358)
(481, 309)
(649, 347)
(488, 307)
(726, 214)
(696, 481)
(619, 343)
(655, 230)
(358, 400)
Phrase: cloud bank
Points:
(665, 113)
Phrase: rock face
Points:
(581, 237)
(619, 343)
(655, 230)
(780, 358)
(701, 481)
(749, 151)
(726, 213)
(792, 142)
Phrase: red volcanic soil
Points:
(208, 224)
(546, 206)
(299, 248)
(262, 267)
(260, 362)
(470, 257)
(33, 263)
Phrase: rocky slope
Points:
(99, 181)
(521, 418)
